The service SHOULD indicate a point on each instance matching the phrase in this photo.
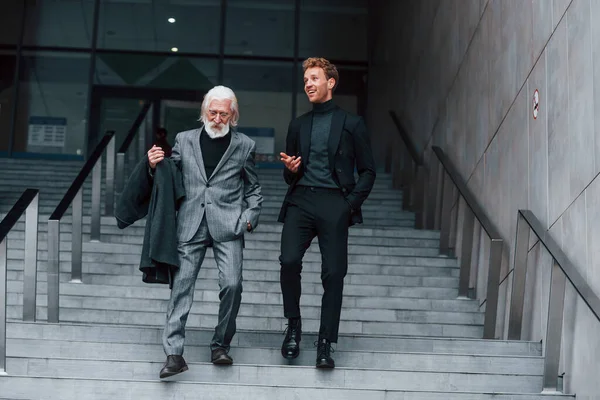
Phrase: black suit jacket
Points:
(349, 147)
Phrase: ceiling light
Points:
(174, 49)
(171, 20)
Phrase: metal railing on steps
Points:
(562, 269)
(440, 179)
(28, 205)
(431, 197)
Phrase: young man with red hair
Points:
(323, 200)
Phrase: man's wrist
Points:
(349, 205)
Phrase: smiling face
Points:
(317, 87)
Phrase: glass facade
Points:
(59, 23)
(260, 28)
(69, 87)
(53, 88)
(11, 16)
(8, 63)
(264, 91)
(146, 26)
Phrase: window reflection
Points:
(263, 28)
(264, 92)
(145, 26)
(51, 114)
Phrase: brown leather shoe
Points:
(219, 356)
(174, 365)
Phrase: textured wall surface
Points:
(462, 74)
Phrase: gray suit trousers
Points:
(228, 256)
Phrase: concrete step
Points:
(314, 278)
(366, 283)
(33, 177)
(272, 218)
(428, 293)
(109, 227)
(273, 323)
(260, 338)
(250, 310)
(267, 214)
(255, 298)
(52, 196)
(433, 269)
(29, 387)
(252, 254)
(382, 359)
(250, 244)
(267, 271)
(299, 376)
(270, 193)
(255, 239)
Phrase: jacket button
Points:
(202, 204)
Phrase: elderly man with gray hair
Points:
(223, 200)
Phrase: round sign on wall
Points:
(536, 103)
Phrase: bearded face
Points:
(217, 117)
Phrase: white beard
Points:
(214, 134)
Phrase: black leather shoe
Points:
(219, 356)
(173, 366)
(324, 351)
(291, 344)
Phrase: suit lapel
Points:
(233, 144)
(337, 125)
(305, 128)
(198, 153)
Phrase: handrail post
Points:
(554, 329)
(4, 304)
(77, 238)
(493, 288)
(53, 269)
(419, 195)
(406, 180)
(439, 197)
(109, 202)
(30, 267)
(446, 215)
(519, 277)
(96, 193)
(120, 173)
(466, 249)
(432, 193)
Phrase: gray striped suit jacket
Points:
(228, 198)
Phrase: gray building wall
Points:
(461, 74)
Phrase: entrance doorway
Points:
(116, 108)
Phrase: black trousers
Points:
(322, 213)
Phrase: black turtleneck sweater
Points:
(213, 150)
(316, 167)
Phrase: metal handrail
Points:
(28, 205)
(74, 196)
(120, 161)
(562, 269)
(134, 128)
(449, 175)
(412, 173)
(410, 146)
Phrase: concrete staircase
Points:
(404, 333)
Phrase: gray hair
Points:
(220, 93)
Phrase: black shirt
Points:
(316, 170)
(213, 150)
